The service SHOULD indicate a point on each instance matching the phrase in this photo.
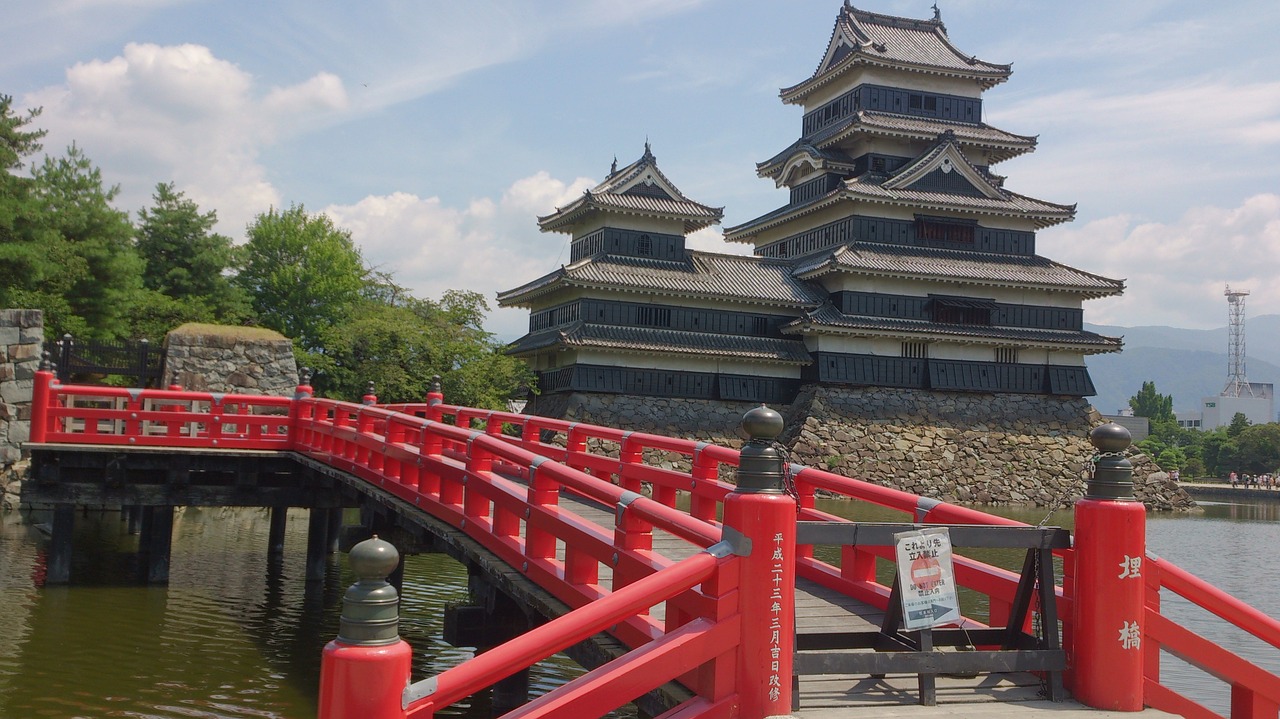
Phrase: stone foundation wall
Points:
(213, 358)
(957, 447)
(21, 341)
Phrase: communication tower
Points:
(1237, 385)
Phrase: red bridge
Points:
(703, 597)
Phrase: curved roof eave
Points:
(796, 94)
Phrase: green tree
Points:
(304, 274)
(187, 261)
(398, 342)
(36, 265)
(1218, 452)
(1171, 459)
(1238, 424)
(99, 270)
(1259, 448)
(1151, 404)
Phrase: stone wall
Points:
(958, 447)
(21, 341)
(216, 358)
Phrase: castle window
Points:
(644, 245)
(877, 164)
(931, 103)
(915, 350)
(650, 316)
(916, 101)
(1007, 355)
(759, 326)
(961, 311)
(939, 231)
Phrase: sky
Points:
(436, 131)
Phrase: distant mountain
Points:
(1188, 364)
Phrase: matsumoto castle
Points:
(900, 258)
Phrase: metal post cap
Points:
(1112, 476)
(762, 424)
(760, 463)
(1111, 437)
(371, 606)
(373, 559)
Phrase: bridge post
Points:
(762, 515)
(40, 400)
(1110, 546)
(364, 672)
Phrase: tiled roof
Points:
(702, 275)
(895, 41)
(828, 318)
(869, 188)
(959, 266)
(612, 195)
(664, 341)
(1002, 145)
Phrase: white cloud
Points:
(1176, 272)
(178, 113)
(487, 247)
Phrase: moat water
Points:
(234, 636)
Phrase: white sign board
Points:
(926, 578)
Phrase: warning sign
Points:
(926, 578)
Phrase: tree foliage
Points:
(398, 343)
(1258, 448)
(100, 272)
(1151, 404)
(304, 274)
(187, 261)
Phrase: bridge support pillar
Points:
(317, 544)
(762, 515)
(492, 619)
(364, 672)
(58, 561)
(275, 535)
(1110, 546)
(156, 540)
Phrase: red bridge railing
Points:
(499, 477)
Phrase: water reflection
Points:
(235, 634)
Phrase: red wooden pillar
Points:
(763, 516)
(1110, 547)
(40, 401)
(435, 398)
(364, 672)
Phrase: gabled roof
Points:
(827, 319)
(637, 189)
(901, 189)
(802, 158)
(701, 275)
(945, 156)
(866, 38)
(958, 267)
(650, 340)
(999, 144)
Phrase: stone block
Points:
(32, 335)
(16, 392)
(19, 432)
(23, 352)
(10, 334)
(22, 370)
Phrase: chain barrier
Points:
(788, 473)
